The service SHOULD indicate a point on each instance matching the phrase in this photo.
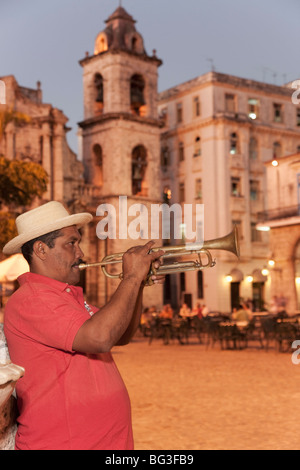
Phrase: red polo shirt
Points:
(66, 400)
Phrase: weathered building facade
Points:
(219, 131)
(41, 139)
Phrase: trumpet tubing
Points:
(227, 243)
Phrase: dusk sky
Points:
(44, 40)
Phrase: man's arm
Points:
(117, 321)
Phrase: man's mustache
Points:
(78, 262)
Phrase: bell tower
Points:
(120, 130)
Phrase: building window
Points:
(179, 113)
(98, 164)
(255, 234)
(198, 189)
(181, 192)
(181, 151)
(137, 101)
(163, 115)
(276, 150)
(98, 94)
(139, 164)
(236, 186)
(197, 109)
(253, 153)
(98, 82)
(254, 190)
(253, 108)
(277, 112)
(165, 156)
(234, 143)
(197, 148)
(230, 103)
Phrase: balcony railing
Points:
(281, 213)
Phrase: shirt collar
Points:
(40, 279)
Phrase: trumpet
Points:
(229, 243)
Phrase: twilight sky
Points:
(44, 40)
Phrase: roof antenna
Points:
(211, 64)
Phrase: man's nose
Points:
(79, 252)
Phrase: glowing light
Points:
(249, 278)
(265, 272)
(298, 280)
(228, 278)
(263, 228)
(275, 162)
(271, 263)
(252, 116)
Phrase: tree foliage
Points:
(9, 115)
(20, 183)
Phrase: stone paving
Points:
(189, 397)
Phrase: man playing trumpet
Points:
(72, 396)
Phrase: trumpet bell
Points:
(229, 243)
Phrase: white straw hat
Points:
(44, 219)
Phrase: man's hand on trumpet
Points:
(137, 263)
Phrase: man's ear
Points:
(40, 249)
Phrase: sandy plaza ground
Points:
(190, 397)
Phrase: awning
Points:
(13, 267)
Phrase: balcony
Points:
(280, 213)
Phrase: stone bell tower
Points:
(120, 133)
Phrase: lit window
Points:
(233, 143)
(197, 150)
(235, 186)
(277, 112)
(253, 108)
(137, 100)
